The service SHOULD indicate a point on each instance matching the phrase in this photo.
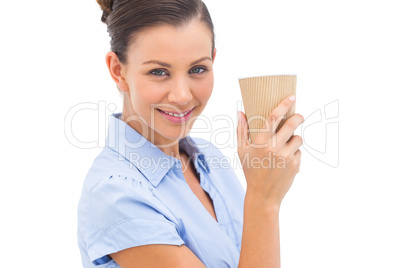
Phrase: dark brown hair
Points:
(125, 19)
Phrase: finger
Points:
(288, 128)
(293, 145)
(280, 112)
(298, 155)
(298, 158)
(239, 131)
(242, 130)
(274, 119)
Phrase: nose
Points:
(180, 93)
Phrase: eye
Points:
(158, 72)
(198, 70)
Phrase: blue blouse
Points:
(134, 194)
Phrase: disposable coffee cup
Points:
(261, 95)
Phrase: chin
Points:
(176, 136)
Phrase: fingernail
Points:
(292, 98)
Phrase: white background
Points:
(344, 208)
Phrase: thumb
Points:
(242, 130)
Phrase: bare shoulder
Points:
(168, 256)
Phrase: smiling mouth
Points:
(176, 114)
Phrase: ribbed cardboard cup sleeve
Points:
(261, 95)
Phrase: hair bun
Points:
(106, 6)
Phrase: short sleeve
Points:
(123, 213)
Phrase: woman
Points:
(152, 198)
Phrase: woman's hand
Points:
(273, 160)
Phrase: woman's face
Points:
(170, 70)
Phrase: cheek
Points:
(146, 92)
(204, 89)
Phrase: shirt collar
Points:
(151, 161)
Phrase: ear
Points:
(117, 71)
(213, 55)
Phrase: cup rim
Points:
(257, 76)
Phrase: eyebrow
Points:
(164, 64)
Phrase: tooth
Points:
(176, 115)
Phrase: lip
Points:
(175, 112)
(177, 120)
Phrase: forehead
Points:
(172, 44)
